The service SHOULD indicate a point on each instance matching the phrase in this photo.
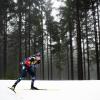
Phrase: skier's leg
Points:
(22, 75)
(18, 80)
(33, 75)
(32, 84)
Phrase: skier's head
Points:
(38, 54)
(38, 57)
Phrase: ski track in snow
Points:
(59, 90)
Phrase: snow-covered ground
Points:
(59, 90)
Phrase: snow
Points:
(59, 90)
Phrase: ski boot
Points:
(34, 88)
(12, 88)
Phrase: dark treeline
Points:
(70, 46)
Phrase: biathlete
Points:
(27, 66)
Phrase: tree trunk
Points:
(25, 39)
(29, 29)
(96, 40)
(79, 48)
(5, 44)
(42, 35)
(71, 52)
(25, 33)
(1, 42)
(68, 62)
(19, 29)
(48, 57)
(84, 67)
(87, 42)
(98, 5)
(51, 51)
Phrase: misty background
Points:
(66, 32)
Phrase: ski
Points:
(38, 89)
(12, 89)
(35, 89)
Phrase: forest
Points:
(69, 46)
